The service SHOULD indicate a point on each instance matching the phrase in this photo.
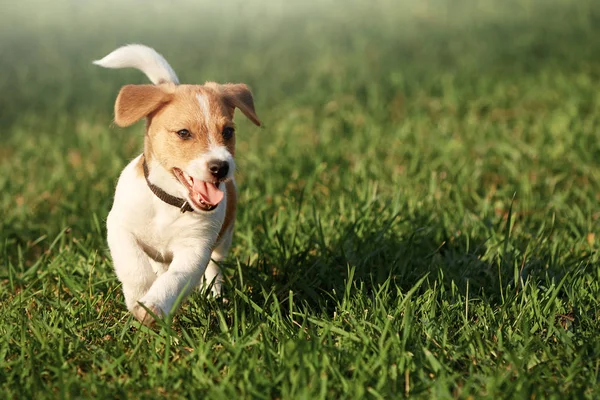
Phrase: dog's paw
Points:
(216, 291)
(140, 313)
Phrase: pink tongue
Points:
(209, 193)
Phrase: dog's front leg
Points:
(130, 262)
(183, 275)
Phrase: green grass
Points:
(419, 215)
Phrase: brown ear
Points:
(137, 101)
(239, 95)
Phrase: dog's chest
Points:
(160, 229)
(164, 234)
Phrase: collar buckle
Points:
(184, 207)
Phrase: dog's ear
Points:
(134, 102)
(239, 95)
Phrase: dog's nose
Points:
(218, 168)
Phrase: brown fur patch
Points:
(170, 108)
(237, 95)
(136, 101)
(185, 112)
(230, 210)
(139, 167)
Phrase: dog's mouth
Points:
(203, 195)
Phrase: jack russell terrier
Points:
(174, 206)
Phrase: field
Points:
(419, 215)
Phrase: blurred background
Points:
(447, 107)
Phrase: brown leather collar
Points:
(178, 202)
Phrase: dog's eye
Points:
(184, 134)
(228, 132)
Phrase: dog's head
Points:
(190, 134)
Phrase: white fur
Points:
(205, 106)
(197, 168)
(166, 180)
(159, 253)
(144, 58)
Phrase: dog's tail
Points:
(144, 58)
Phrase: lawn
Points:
(419, 215)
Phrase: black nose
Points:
(218, 168)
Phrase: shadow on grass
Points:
(372, 251)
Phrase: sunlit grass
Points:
(418, 216)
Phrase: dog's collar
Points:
(178, 202)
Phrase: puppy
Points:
(174, 206)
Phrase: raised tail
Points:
(144, 58)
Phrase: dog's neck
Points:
(178, 202)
